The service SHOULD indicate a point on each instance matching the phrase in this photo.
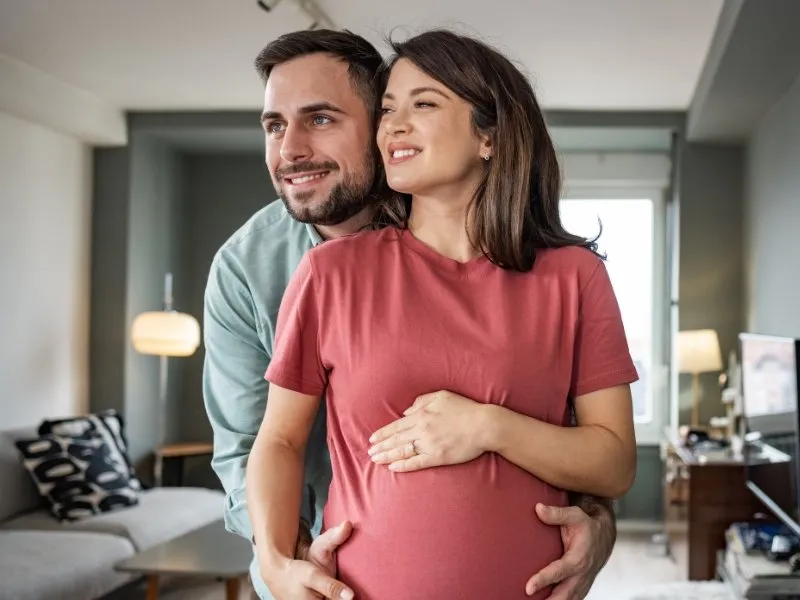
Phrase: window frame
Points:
(647, 433)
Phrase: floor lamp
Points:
(165, 333)
(698, 352)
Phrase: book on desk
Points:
(744, 566)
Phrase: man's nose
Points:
(295, 145)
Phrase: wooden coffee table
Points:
(210, 551)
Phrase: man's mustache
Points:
(305, 167)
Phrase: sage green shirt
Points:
(246, 282)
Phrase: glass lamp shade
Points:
(165, 333)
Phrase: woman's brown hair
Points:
(515, 210)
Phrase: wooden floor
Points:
(635, 564)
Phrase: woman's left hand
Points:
(441, 428)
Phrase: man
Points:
(318, 124)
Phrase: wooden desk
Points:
(177, 452)
(717, 496)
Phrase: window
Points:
(632, 237)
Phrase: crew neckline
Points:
(445, 263)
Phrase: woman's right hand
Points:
(294, 579)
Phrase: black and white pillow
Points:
(108, 424)
(78, 476)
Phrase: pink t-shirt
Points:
(376, 319)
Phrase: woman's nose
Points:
(397, 123)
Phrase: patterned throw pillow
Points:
(107, 423)
(78, 476)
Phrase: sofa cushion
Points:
(18, 493)
(107, 423)
(78, 476)
(161, 514)
(73, 565)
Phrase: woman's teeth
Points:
(401, 153)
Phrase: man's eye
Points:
(321, 120)
(274, 128)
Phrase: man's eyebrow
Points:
(418, 91)
(268, 115)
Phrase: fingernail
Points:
(371, 450)
(347, 594)
(372, 438)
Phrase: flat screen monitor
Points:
(772, 423)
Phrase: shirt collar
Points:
(316, 238)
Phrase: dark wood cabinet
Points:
(715, 495)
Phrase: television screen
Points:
(769, 376)
(772, 425)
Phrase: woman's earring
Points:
(485, 155)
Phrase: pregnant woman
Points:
(468, 292)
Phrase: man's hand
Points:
(442, 428)
(322, 551)
(587, 546)
(313, 575)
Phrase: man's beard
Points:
(347, 198)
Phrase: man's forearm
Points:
(586, 459)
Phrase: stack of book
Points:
(750, 574)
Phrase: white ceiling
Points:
(198, 54)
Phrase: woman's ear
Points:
(486, 148)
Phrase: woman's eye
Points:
(422, 104)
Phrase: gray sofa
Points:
(43, 559)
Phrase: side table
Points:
(177, 453)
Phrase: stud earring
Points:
(485, 155)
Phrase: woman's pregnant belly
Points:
(466, 531)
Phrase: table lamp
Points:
(165, 333)
(698, 352)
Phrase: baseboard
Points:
(648, 526)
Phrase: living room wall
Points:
(137, 237)
(711, 281)
(221, 192)
(772, 209)
(45, 200)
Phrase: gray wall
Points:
(772, 209)
(711, 280)
(221, 192)
(155, 247)
(644, 500)
(137, 237)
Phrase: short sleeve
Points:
(296, 363)
(601, 355)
